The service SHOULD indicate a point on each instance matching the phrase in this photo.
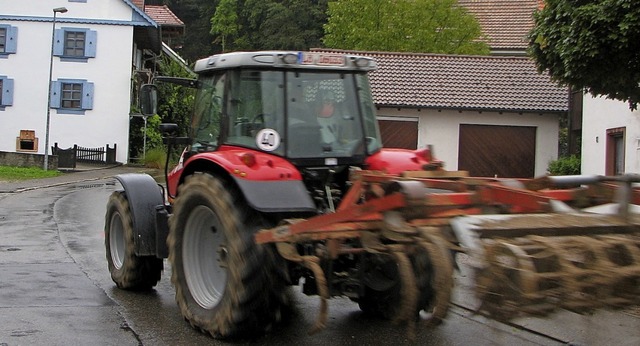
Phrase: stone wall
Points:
(26, 160)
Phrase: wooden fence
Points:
(67, 158)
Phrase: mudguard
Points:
(144, 195)
(276, 196)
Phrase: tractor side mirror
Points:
(148, 99)
(169, 129)
(170, 132)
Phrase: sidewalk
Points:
(81, 174)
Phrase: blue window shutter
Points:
(58, 42)
(56, 98)
(91, 41)
(87, 95)
(12, 40)
(7, 92)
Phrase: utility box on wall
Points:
(27, 141)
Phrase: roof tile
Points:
(163, 15)
(506, 23)
(499, 83)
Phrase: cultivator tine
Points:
(534, 264)
(289, 252)
(440, 255)
(409, 289)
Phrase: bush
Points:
(155, 158)
(569, 165)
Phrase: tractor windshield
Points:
(328, 116)
(297, 114)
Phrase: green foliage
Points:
(155, 158)
(175, 103)
(428, 26)
(10, 173)
(225, 21)
(154, 137)
(174, 106)
(196, 14)
(568, 165)
(280, 24)
(590, 44)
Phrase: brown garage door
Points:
(399, 134)
(505, 151)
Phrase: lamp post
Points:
(46, 131)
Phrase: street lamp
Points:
(46, 135)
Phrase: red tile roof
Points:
(497, 83)
(163, 15)
(139, 3)
(505, 23)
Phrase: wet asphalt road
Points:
(55, 289)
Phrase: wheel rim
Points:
(204, 253)
(116, 240)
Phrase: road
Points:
(55, 289)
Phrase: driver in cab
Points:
(327, 117)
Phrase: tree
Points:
(225, 21)
(196, 15)
(280, 24)
(590, 44)
(428, 26)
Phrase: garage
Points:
(399, 132)
(502, 151)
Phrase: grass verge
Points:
(8, 173)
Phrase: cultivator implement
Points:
(534, 245)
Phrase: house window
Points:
(6, 92)
(8, 40)
(3, 40)
(615, 151)
(74, 44)
(71, 96)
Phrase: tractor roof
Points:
(286, 60)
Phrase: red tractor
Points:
(283, 177)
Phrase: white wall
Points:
(600, 114)
(441, 129)
(110, 71)
(102, 9)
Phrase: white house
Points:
(96, 47)
(610, 137)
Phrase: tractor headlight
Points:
(290, 58)
(362, 62)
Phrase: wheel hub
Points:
(205, 269)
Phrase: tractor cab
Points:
(313, 109)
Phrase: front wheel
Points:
(128, 270)
(220, 274)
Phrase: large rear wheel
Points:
(220, 274)
(128, 270)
